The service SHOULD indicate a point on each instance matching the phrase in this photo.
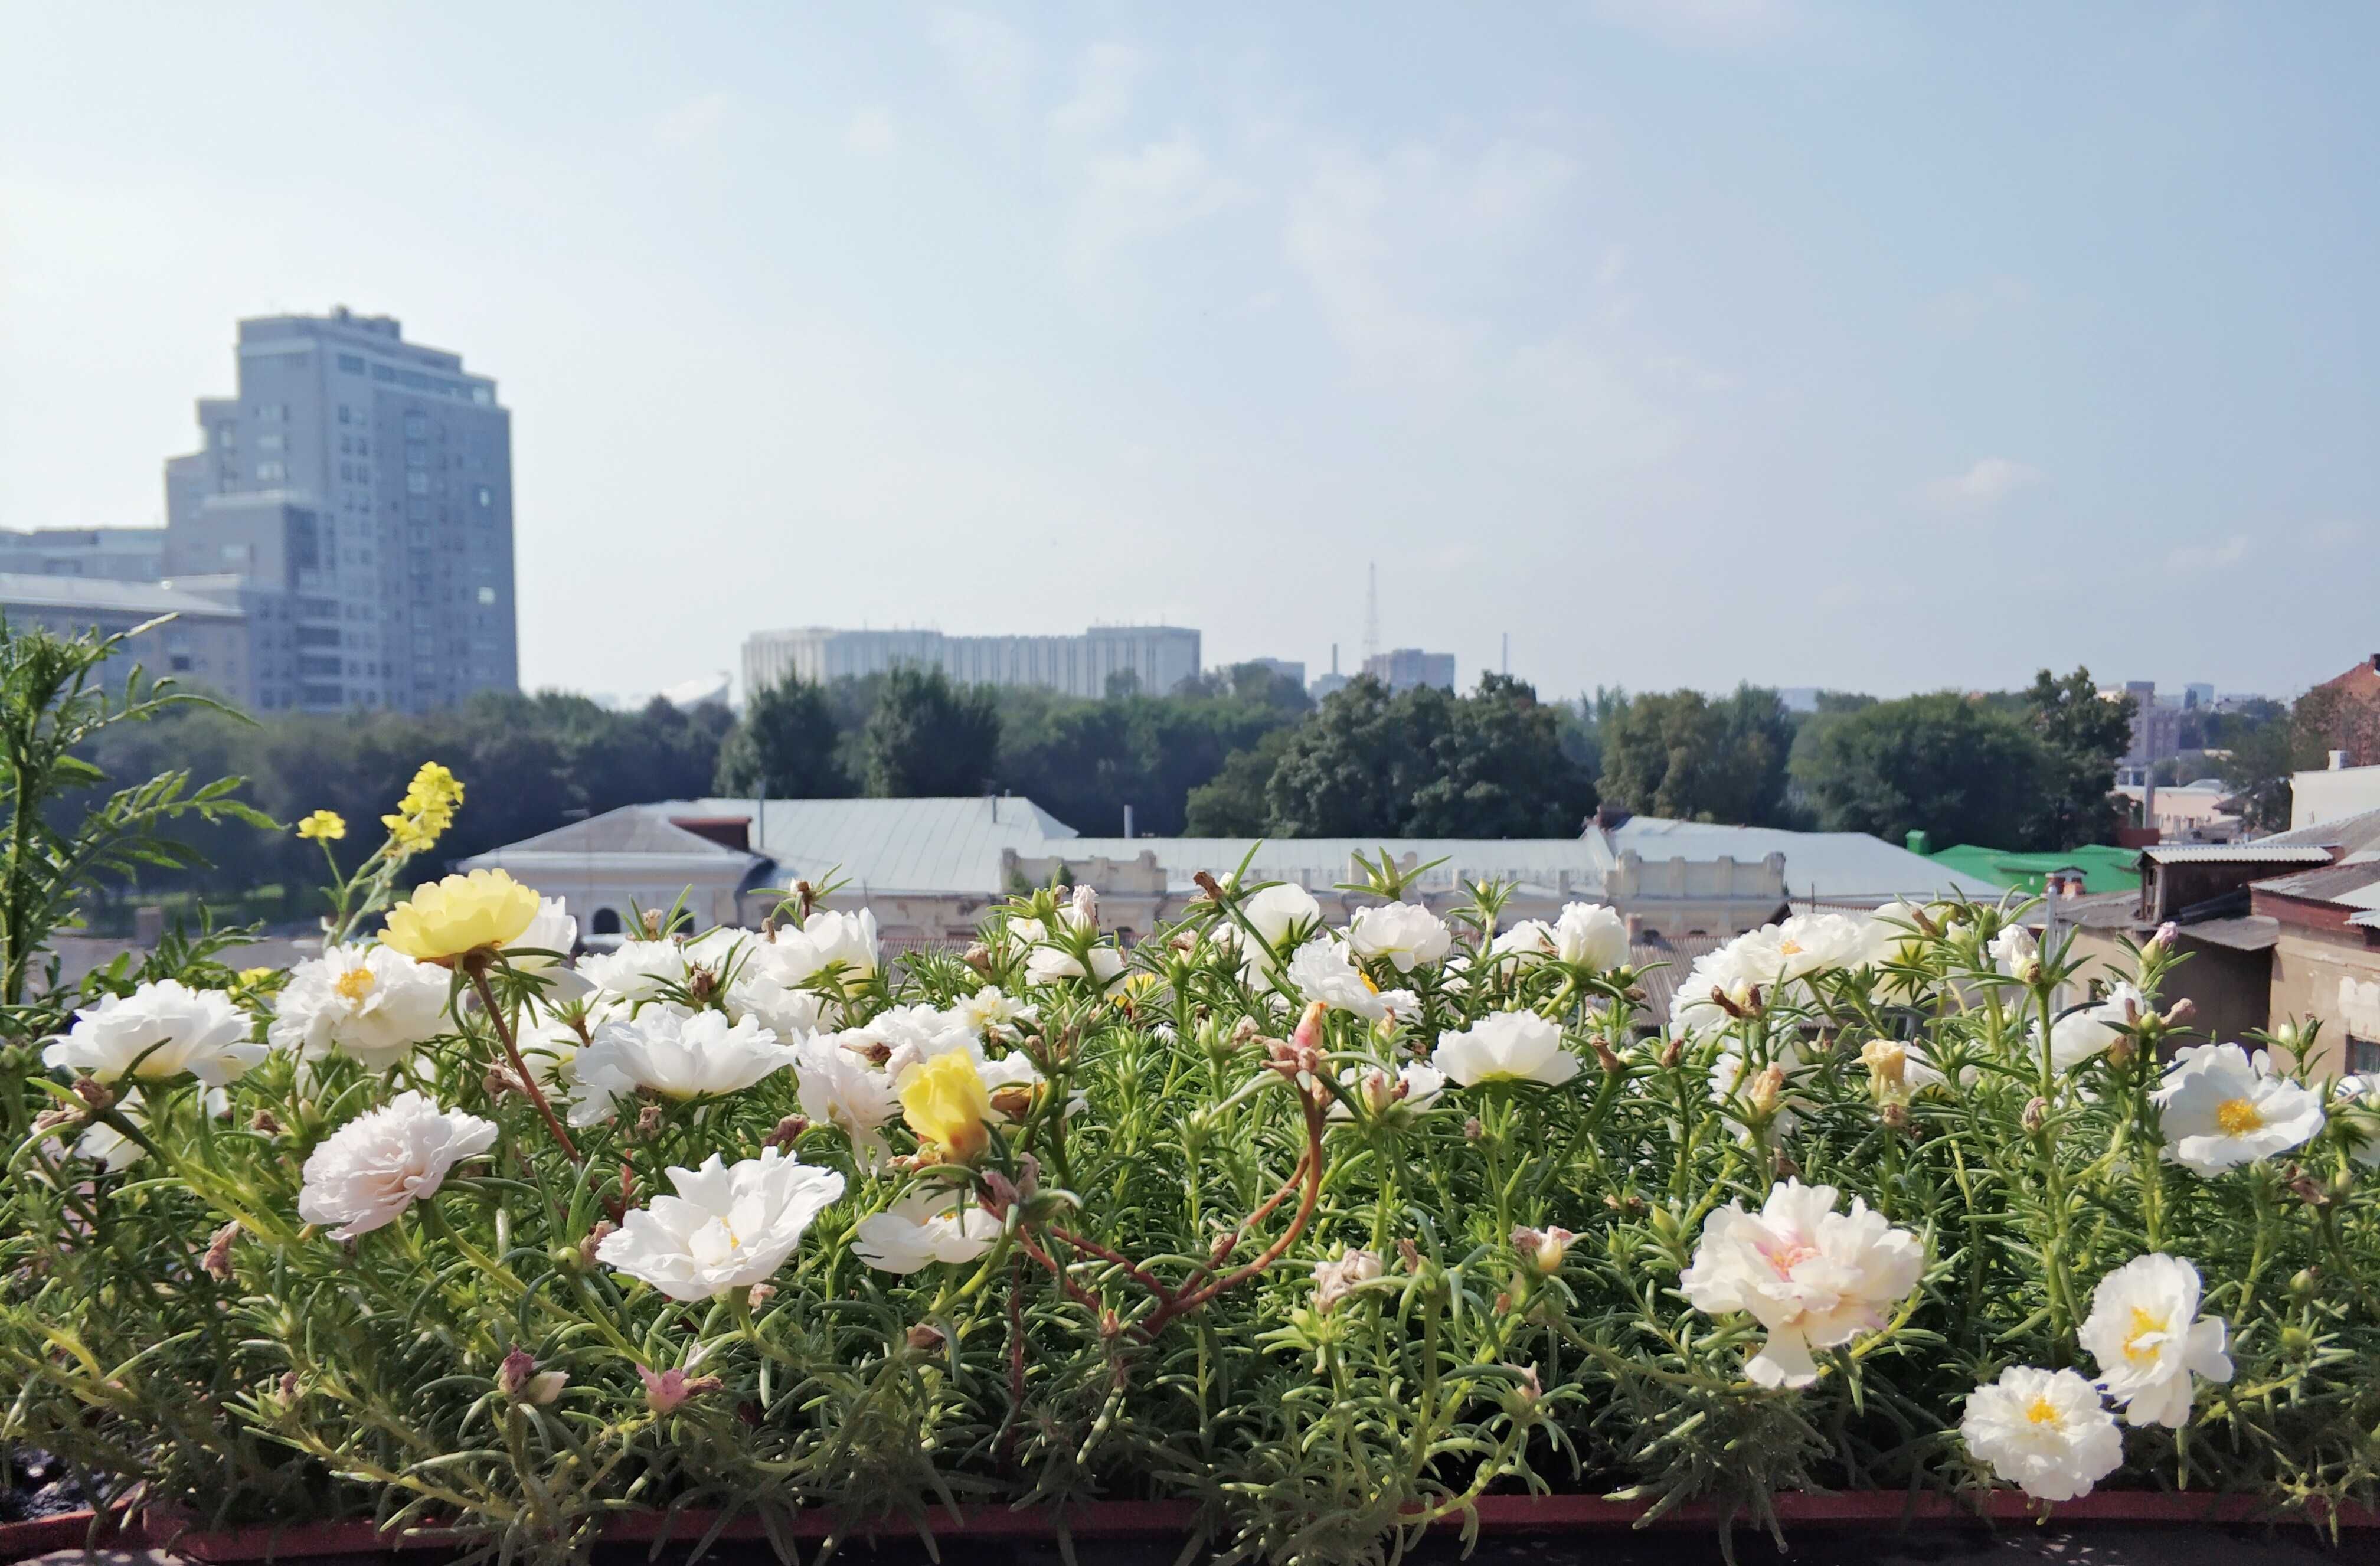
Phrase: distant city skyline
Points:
(1866, 349)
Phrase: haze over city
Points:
(1814, 345)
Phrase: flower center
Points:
(2238, 1117)
(2041, 1412)
(1790, 949)
(2140, 1344)
(1787, 1257)
(354, 984)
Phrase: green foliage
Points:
(2081, 735)
(1232, 803)
(1426, 763)
(784, 746)
(54, 709)
(929, 738)
(1681, 754)
(1962, 770)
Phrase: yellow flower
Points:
(427, 810)
(946, 1102)
(448, 919)
(250, 978)
(323, 826)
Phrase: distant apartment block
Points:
(1290, 669)
(363, 484)
(1156, 658)
(120, 555)
(212, 642)
(1409, 667)
(1330, 683)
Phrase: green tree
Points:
(1353, 769)
(786, 746)
(1232, 802)
(1500, 770)
(2083, 734)
(1959, 770)
(1681, 754)
(929, 738)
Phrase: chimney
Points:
(2337, 760)
(2376, 662)
(1127, 820)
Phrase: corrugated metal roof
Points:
(99, 595)
(2356, 886)
(2264, 851)
(1660, 984)
(889, 846)
(2249, 932)
(1827, 866)
(2368, 919)
(633, 829)
(2359, 831)
(1321, 862)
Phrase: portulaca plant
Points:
(1331, 1216)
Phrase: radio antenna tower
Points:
(1372, 611)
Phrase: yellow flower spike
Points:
(945, 1102)
(451, 918)
(323, 826)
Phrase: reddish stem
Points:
(476, 968)
(1133, 1270)
(1190, 1300)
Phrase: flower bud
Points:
(1672, 1051)
(95, 1093)
(1608, 1059)
(787, 1132)
(979, 957)
(595, 1238)
(1472, 1129)
(668, 1391)
(1768, 1086)
(1542, 1248)
(519, 1379)
(2180, 1012)
(1520, 1399)
(216, 1263)
(925, 1338)
(760, 1294)
(289, 1387)
(2122, 1051)
(649, 1122)
(1334, 1281)
(2036, 1114)
(2301, 1284)
(2163, 940)
(2296, 1343)
(1410, 1254)
(1895, 1116)
(263, 1124)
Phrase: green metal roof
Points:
(2104, 868)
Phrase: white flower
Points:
(844, 1091)
(1719, 972)
(159, 1032)
(371, 1169)
(1891, 934)
(728, 1226)
(900, 1036)
(1739, 1100)
(1505, 1047)
(2015, 952)
(1415, 1087)
(2146, 1332)
(636, 971)
(756, 993)
(1814, 1276)
(2045, 1431)
(1279, 911)
(678, 1057)
(372, 1002)
(1320, 971)
(1529, 939)
(846, 942)
(1334, 1281)
(1405, 934)
(993, 1012)
(1590, 934)
(1047, 964)
(2221, 1107)
(2078, 1036)
(2359, 1098)
(923, 1230)
(1802, 947)
(553, 930)
(550, 1043)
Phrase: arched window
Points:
(606, 922)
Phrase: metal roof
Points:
(2249, 932)
(105, 596)
(1827, 866)
(1555, 864)
(2354, 886)
(2264, 851)
(889, 845)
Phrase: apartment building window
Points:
(269, 470)
(487, 497)
(416, 426)
(418, 482)
(2363, 1055)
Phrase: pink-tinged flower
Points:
(382, 1162)
(671, 1389)
(1814, 1276)
(1334, 1281)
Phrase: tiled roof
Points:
(1848, 867)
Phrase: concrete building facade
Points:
(211, 643)
(370, 479)
(120, 555)
(1156, 658)
(1407, 668)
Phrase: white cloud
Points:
(695, 122)
(1128, 198)
(871, 133)
(1991, 481)
(1707, 24)
(2191, 559)
(1104, 82)
(993, 61)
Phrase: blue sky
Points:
(1881, 348)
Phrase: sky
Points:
(1877, 348)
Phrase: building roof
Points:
(103, 596)
(1551, 865)
(2104, 868)
(2352, 834)
(2264, 851)
(1659, 984)
(633, 829)
(1823, 867)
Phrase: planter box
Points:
(1175, 1520)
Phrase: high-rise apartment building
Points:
(1406, 667)
(1156, 658)
(369, 480)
